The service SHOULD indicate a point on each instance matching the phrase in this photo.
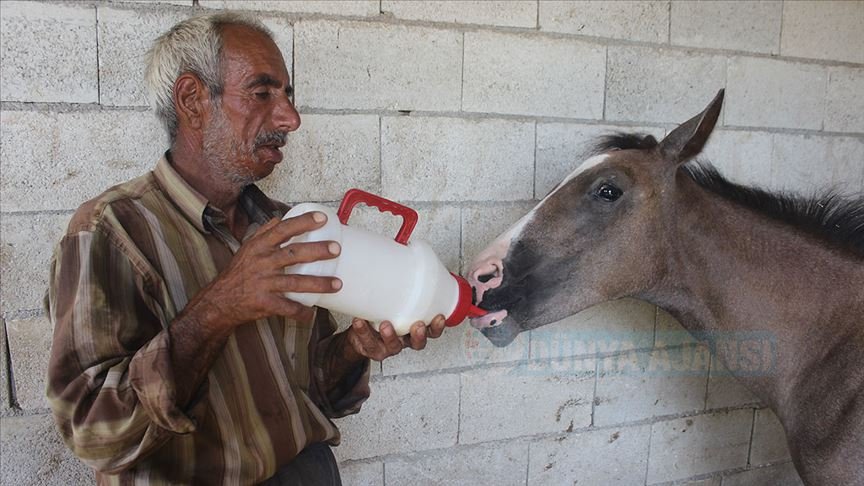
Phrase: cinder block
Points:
(670, 332)
(703, 444)
(438, 226)
(823, 30)
(741, 156)
(644, 21)
(498, 464)
(25, 253)
(518, 74)
(610, 327)
(724, 390)
(813, 163)
(773, 93)
(353, 8)
(769, 439)
(327, 156)
(125, 36)
(636, 386)
(528, 399)
(283, 35)
(562, 147)
(449, 159)
(55, 161)
(482, 224)
(657, 85)
(48, 53)
(715, 481)
(844, 105)
(505, 13)
(366, 66)
(30, 349)
(34, 454)
(5, 403)
(737, 25)
(402, 414)
(458, 347)
(362, 473)
(182, 3)
(779, 475)
(617, 456)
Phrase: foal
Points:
(634, 220)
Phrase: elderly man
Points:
(176, 358)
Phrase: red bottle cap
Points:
(465, 306)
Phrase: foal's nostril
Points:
(486, 278)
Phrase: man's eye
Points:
(262, 95)
(608, 192)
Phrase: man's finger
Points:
(436, 327)
(286, 307)
(369, 342)
(363, 329)
(417, 336)
(285, 229)
(391, 341)
(306, 283)
(267, 226)
(306, 252)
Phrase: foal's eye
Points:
(607, 192)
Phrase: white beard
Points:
(222, 151)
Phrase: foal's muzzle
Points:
(485, 275)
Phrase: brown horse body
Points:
(808, 296)
(724, 260)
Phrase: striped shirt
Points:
(129, 262)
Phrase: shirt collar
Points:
(195, 206)
(190, 202)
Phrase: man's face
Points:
(245, 128)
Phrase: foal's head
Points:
(599, 235)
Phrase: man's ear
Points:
(190, 96)
(688, 139)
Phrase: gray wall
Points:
(470, 112)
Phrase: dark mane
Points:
(829, 216)
(624, 141)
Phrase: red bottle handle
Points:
(356, 196)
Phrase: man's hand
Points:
(362, 341)
(253, 285)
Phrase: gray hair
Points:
(192, 46)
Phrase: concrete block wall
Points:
(471, 112)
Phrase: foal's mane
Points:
(828, 215)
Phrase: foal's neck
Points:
(760, 286)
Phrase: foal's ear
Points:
(686, 141)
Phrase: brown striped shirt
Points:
(129, 262)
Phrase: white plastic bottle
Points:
(397, 280)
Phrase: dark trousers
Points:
(314, 466)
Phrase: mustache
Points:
(271, 138)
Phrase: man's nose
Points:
(285, 115)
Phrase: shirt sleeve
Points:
(337, 396)
(110, 381)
